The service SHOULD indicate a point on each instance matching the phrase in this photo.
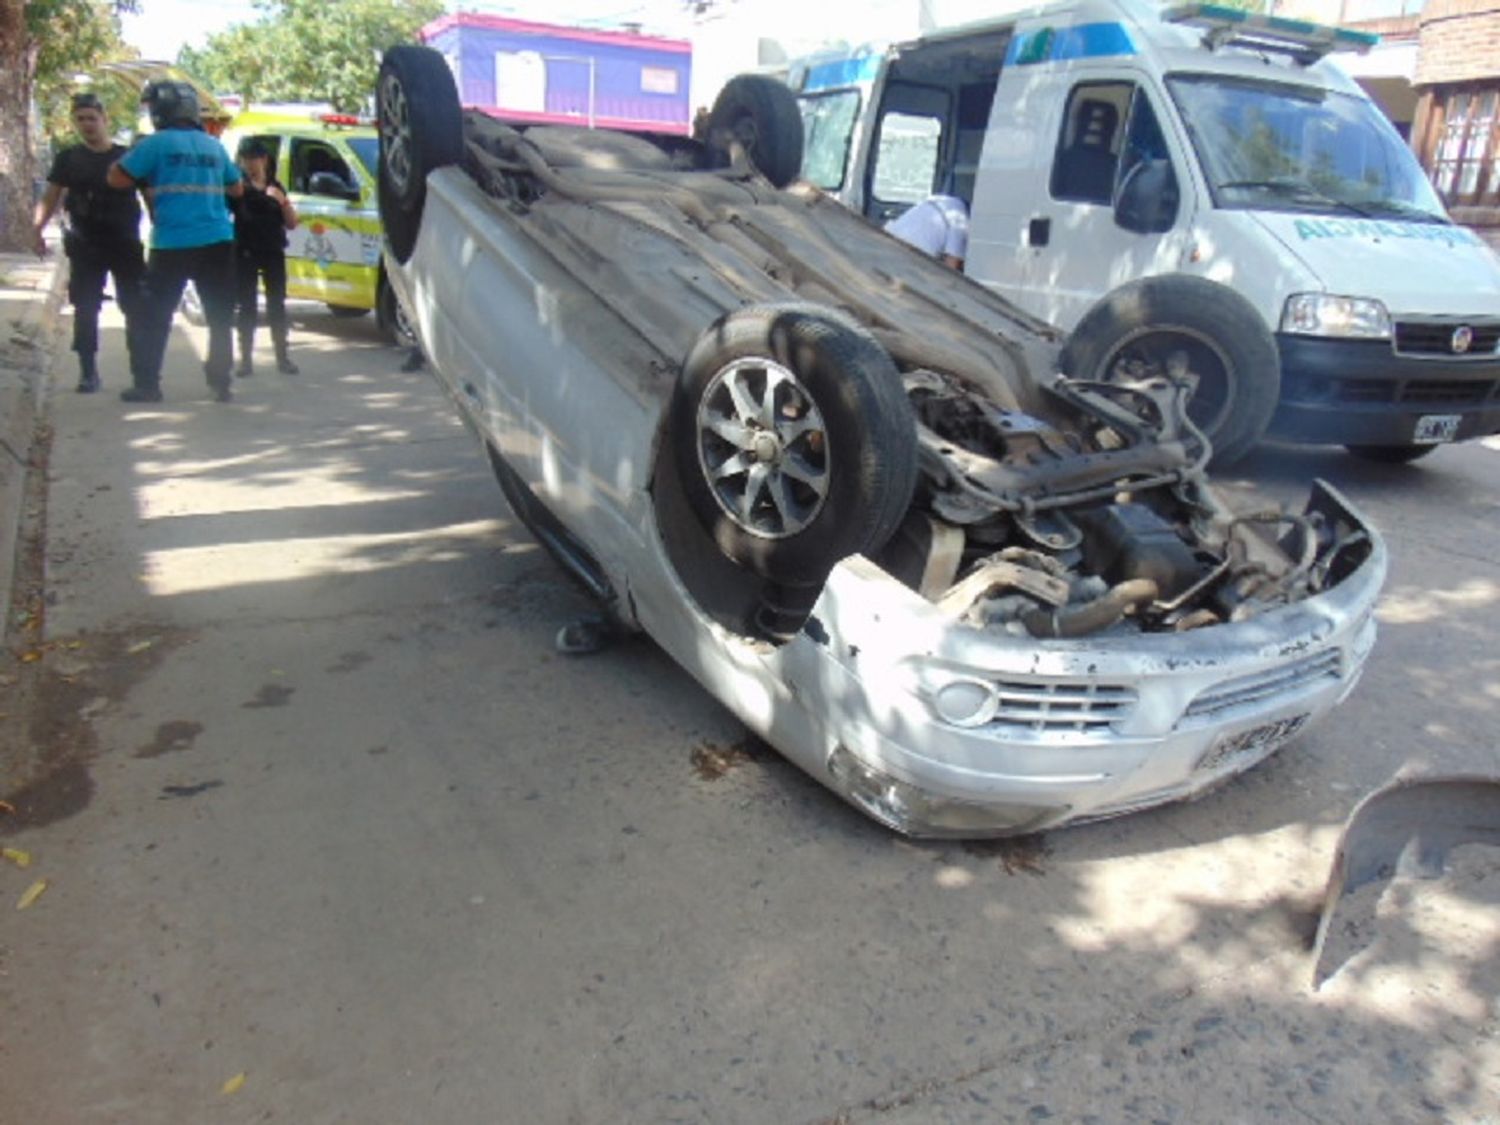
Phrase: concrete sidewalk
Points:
(31, 292)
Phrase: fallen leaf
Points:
(16, 856)
(30, 657)
(233, 1085)
(6, 806)
(139, 646)
(31, 894)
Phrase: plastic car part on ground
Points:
(1406, 829)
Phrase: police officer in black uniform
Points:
(262, 216)
(102, 236)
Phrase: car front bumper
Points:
(1060, 731)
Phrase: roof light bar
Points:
(1307, 42)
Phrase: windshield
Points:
(368, 151)
(1273, 146)
(827, 126)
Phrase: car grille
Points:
(1265, 687)
(1429, 338)
(1419, 392)
(1028, 707)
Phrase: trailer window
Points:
(828, 127)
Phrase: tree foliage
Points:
(43, 43)
(79, 37)
(309, 50)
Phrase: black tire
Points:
(421, 126)
(762, 115)
(347, 312)
(834, 473)
(391, 317)
(1390, 454)
(1149, 326)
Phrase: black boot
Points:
(284, 362)
(246, 367)
(88, 374)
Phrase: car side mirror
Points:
(331, 183)
(1148, 199)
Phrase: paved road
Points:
(318, 805)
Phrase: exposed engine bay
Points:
(1108, 526)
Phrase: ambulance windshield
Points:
(1274, 146)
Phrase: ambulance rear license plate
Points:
(1434, 428)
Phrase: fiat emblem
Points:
(1463, 337)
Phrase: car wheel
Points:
(391, 317)
(1186, 325)
(762, 115)
(346, 311)
(1390, 454)
(191, 306)
(794, 440)
(421, 128)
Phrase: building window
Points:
(1466, 156)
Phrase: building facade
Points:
(1456, 132)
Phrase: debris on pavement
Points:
(1405, 829)
(31, 894)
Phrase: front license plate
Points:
(1246, 747)
(1433, 428)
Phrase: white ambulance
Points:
(1195, 191)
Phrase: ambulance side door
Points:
(324, 257)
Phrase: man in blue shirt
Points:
(186, 174)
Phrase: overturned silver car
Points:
(847, 488)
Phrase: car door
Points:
(327, 255)
(1077, 247)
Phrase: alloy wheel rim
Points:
(763, 448)
(395, 133)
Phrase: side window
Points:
(309, 157)
(906, 158)
(827, 128)
(1088, 148)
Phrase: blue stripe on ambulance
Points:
(1058, 44)
(842, 72)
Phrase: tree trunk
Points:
(17, 157)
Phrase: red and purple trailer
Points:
(537, 73)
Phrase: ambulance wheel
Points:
(421, 127)
(795, 443)
(762, 115)
(1390, 454)
(1186, 325)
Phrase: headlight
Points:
(1318, 314)
(906, 808)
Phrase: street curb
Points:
(30, 299)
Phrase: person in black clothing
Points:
(103, 232)
(262, 216)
